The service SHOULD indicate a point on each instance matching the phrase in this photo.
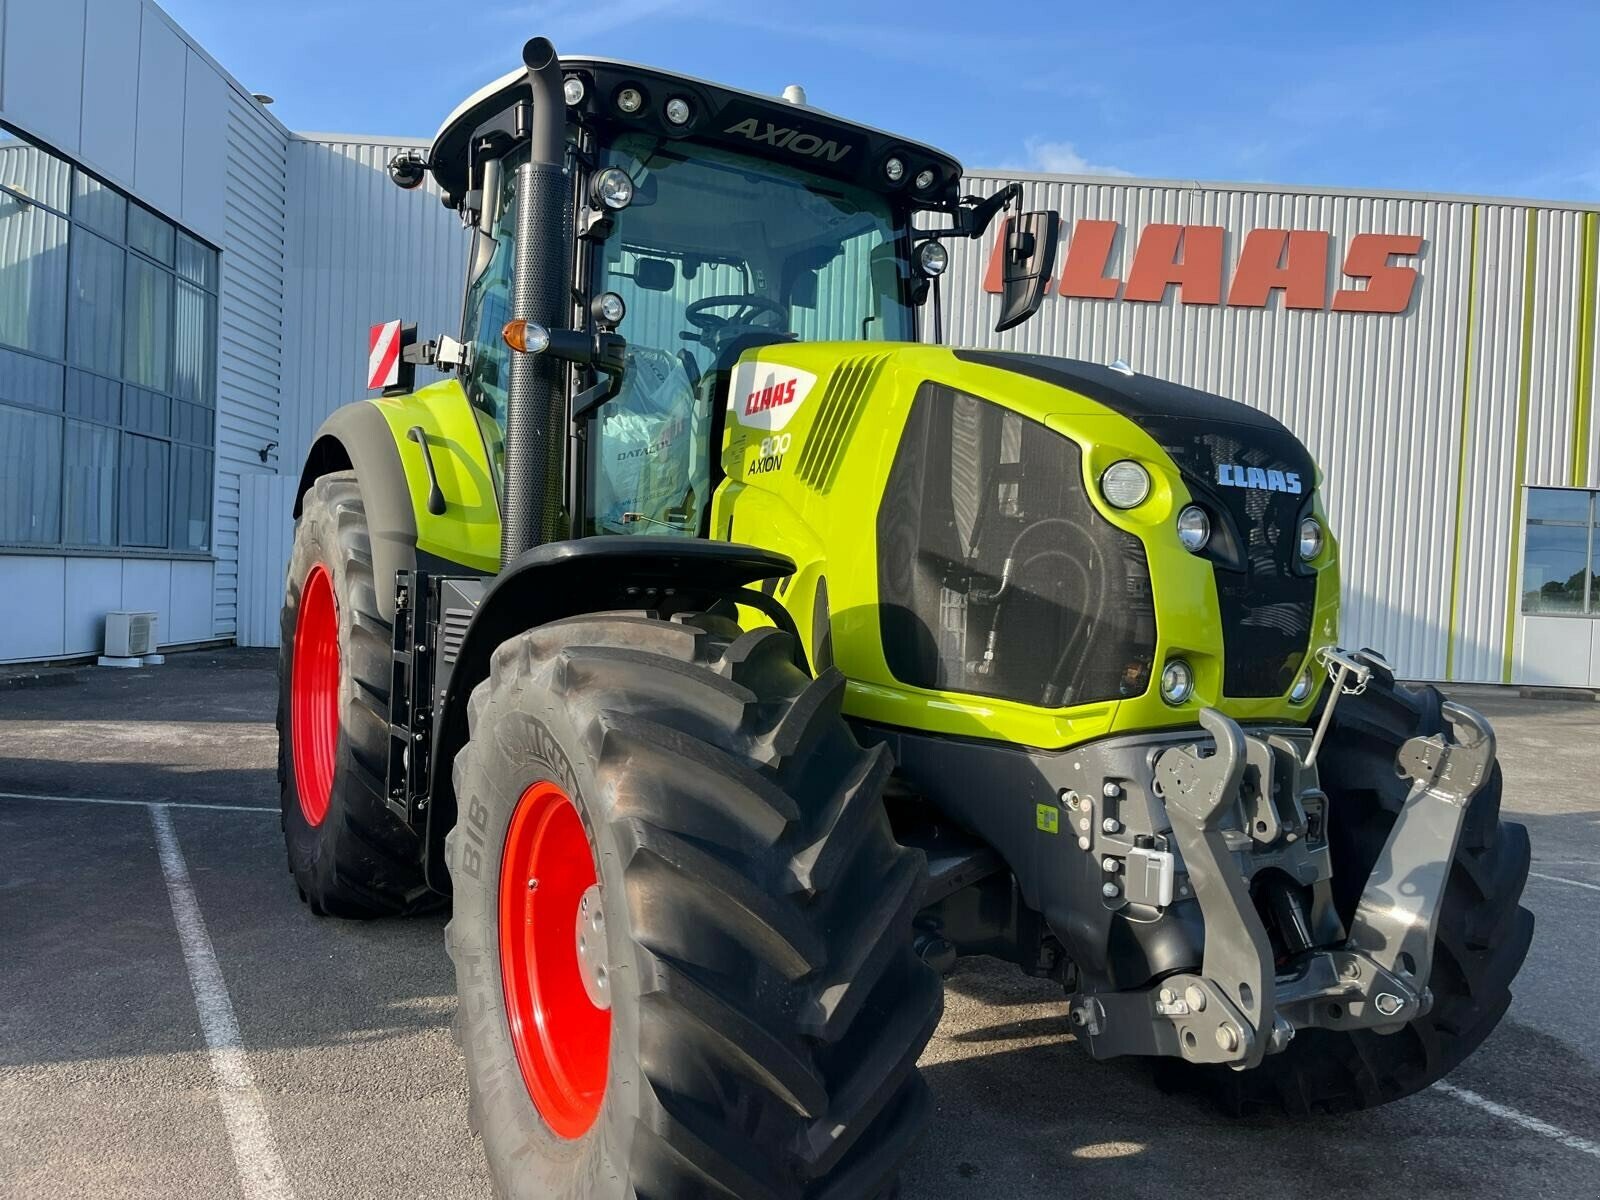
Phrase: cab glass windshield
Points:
(716, 254)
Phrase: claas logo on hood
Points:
(1233, 475)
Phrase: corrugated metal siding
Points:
(1555, 347)
(1377, 398)
(360, 251)
(250, 345)
(1481, 549)
(266, 509)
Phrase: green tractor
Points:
(731, 662)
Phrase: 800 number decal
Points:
(769, 457)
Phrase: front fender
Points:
(371, 437)
(568, 579)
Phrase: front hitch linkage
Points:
(1239, 1007)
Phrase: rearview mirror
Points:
(1028, 262)
(654, 274)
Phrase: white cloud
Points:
(1062, 158)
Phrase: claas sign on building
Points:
(1373, 277)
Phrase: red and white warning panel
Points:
(383, 355)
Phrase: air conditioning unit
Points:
(130, 639)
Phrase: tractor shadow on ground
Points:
(1022, 1112)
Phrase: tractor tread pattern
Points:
(770, 907)
(367, 863)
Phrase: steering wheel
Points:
(698, 313)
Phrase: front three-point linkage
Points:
(1242, 1004)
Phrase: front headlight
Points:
(1194, 528)
(612, 188)
(1310, 539)
(932, 259)
(1125, 484)
(1301, 690)
(1177, 681)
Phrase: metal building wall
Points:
(360, 251)
(1414, 418)
(249, 334)
(354, 250)
(121, 89)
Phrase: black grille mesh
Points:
(973, 486)
(1265, 595)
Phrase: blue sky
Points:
(1493, 98)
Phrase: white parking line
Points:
(1523, 1120)
(1557, 879)
(261, 808)
(255, 1154)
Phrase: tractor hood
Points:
(1250, 473)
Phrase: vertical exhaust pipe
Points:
(535, 399)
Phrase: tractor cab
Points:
(698, 223)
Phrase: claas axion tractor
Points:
(731, 662)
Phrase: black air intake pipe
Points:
(535, 399)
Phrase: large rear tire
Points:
(349, 855)
(1483, 936)
(680, 791)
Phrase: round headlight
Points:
(678, 111)
(528, 337)
(932, 259)
(1177, 682)
(1194, 528)
(1125, 484)
(613, 188)
(1310, 539)
(572, 90)
(1302, 687)
(609, 308)
(630, 100)
(924, 180)
(895, 170)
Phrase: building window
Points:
(108, 365)
(1558, 563)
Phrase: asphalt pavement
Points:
(174, 1023)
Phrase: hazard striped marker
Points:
(383, 355)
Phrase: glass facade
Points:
(1558, 561)
(108, 366)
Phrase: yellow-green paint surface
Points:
(468, 531)
(831, 532)
(1583, 372)
(1519, 460)
(1452, 628)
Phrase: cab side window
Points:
(488, 305)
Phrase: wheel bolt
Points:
(1110, 891)
(1111, 825)
(1110, 865)
(1227, 1038)
(1111, 790)
(533, 885)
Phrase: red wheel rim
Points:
(314, 694)
(562, 1040)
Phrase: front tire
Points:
(753, 1026)
(349, 855)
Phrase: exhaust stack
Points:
(535, 401)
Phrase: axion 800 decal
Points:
(767, 395)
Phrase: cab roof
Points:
(747, 122)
